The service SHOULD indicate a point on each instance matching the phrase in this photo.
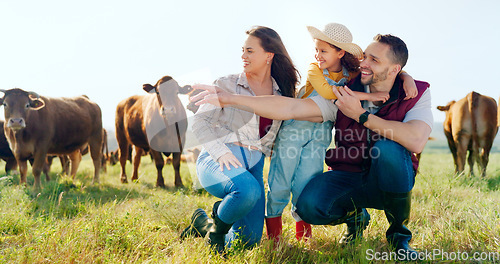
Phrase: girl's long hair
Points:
(349, 61)
(282, 69)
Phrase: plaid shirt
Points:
(215, 126)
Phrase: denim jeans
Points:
(241, 190)
(299, 155)
(329, 196)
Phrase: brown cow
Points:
(75, 158)
(36, 126)
(470, 125)
(131, 128)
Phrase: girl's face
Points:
(255, 58)
(327, 56)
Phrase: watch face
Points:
(363, 117)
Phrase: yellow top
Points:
(316, 81)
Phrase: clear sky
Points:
(107, 49)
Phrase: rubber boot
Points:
(303, 230)
(397, 208)
(356, 224)
(274, 227)
(217, 232)
(199, 226)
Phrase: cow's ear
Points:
(443, 108)
(37, 104)
(148, 88)
(185, 89)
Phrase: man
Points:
(373, 164)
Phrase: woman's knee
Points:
(248, 190)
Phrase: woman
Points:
(235, 142)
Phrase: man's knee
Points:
(308, 208)
(388, 152)
(392, 165)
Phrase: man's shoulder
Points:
(422, 85)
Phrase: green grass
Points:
(73, 221)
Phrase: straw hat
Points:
(338, 35)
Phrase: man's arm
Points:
(412, 135)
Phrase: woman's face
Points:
(254, 57)
(327, 56)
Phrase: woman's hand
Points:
(211, 95)
(227, 160)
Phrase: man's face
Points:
(376, 64)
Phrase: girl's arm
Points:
(317, 79)
(377, 96)
(408, 85)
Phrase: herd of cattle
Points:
(39, 128)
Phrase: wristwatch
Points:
(363, 117)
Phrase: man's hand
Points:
(211, 95)
(348, 103)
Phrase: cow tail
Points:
(473, 106)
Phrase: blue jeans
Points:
(241, 190)
(329, 196)
(299, 155)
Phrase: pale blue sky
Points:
(108, 49)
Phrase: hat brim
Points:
(348, 47)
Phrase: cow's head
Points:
(17, 103)
(446, 107)
(166, 90)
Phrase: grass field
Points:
(73, 221)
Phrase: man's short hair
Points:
(398, 51)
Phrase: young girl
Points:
(300, 146)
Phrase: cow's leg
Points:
(472, 156)
(137, 162)
(453, 149)
(123, 155)
(75, 158)
(104, 161)
(104, 151)
(484, 154)
(462, 144)
(38, 163)
(176, 163)
(159, 162)
(23, 169)
(95, 145)
(46, 167)
(10, 165)
(64, 164)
